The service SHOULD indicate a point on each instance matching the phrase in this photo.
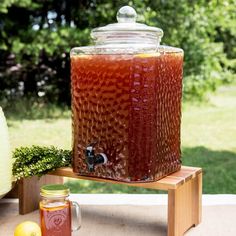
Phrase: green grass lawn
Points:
(208, 140)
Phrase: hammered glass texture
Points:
(131, 106)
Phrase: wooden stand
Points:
(184, 194)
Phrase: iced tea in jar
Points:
(57, 211)
(126, 103)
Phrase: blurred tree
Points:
(36, 38)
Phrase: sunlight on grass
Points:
(211, 125)
(55, 132)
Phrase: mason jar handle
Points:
(76, 216)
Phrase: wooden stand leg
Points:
(184, 206)
(29, 189)
(197, 199)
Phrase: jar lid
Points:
(126, 17)
(54, 190)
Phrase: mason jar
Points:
(58, 215)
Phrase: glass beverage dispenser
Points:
(126, 103)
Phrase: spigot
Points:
(92, 159)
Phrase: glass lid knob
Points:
(126, 14)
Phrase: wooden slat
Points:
(184, 206)
(197, 200)
(169, 182)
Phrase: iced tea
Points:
(56, 219)
(130, 105)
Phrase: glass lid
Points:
(54, 190)
(126, 30)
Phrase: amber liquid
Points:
(130, 105)
(56, 220)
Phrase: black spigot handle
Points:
(91, 159)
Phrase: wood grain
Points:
(184, 206)
(171, 181)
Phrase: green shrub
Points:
(36, 37)
(36, 160)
